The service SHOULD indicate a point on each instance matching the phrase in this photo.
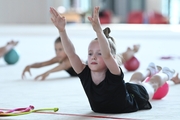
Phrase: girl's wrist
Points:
(29, 66)
(99, 32)
(61, 31)
(48, 72)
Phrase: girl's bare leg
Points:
(7, 47)
(129, 53)
(158, 80)
(139, 77)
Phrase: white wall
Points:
(26, 11)
(153, 5)
(37, 11)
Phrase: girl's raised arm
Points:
(60, 22)
(108, 57)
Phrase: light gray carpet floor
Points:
(36, 44)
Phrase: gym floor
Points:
(36, 44)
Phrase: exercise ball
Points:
(11, 57)
(132, 64)
(161, 91)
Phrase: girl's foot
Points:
(12, 43)
(168, 72)
(136, 48)
(153, 69)
(176, 79)
(159, 68)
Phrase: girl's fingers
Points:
(93, 15)
(37, 77)
(96, 12)
(22, 77)
(53, 12)
(55, 15)
(52, 20)
(90, 19)
(30, 73)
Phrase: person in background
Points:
(6, 48)
(60, 58)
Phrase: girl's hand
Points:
(58, 20)
(95, 20)
(42, 76)
(27, 69)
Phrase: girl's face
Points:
(95, 60)
(60, 51)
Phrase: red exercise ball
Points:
(161, 91)
(132, 64)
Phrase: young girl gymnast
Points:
(60, 58)
(103, 79)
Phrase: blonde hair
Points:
(111, 41)
(112, 45)
(58, 40)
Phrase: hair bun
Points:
(107, 31)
